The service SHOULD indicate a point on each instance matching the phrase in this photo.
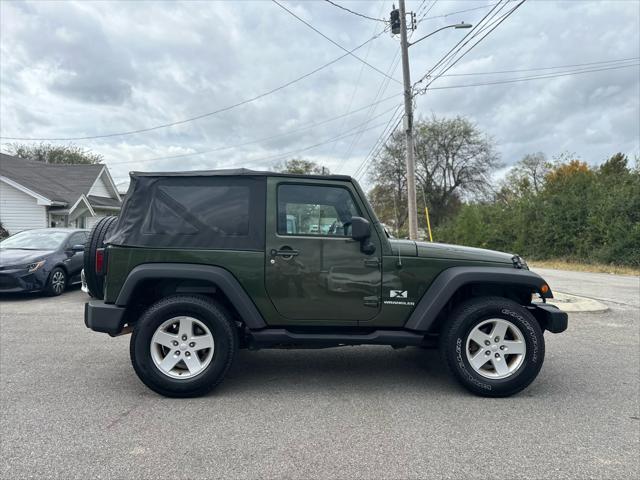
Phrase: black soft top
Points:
(232, 172)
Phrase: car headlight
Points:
(32, 267)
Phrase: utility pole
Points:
(408, 127)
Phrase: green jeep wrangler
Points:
(200, 264)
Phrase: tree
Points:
(56, 154)
(454, 161)
(301, 166)
(528, 175)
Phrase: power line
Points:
(204, 115)
(538, 77)
(533, 69)
(331, 40)
(453, 61)
(489, 26)
(470, 35)
(283, 155)
(356, 13)
(170, 157)
(461, 11)
(381, 91)
(379, 141)
(357, 85)
(392, 68)
(426, 13)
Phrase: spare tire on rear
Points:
(95, 282)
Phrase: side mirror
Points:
(78, 248)
(360, 228)
(361, 231)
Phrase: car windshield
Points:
(34, 240)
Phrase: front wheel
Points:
(57, 282)
(493, 346)
(183, 346)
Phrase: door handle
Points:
(286, 253)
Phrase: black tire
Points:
(95, 282)
(453, 345)
(216, 319)
(56, 283)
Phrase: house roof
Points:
(59, 183)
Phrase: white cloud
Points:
(87, 68)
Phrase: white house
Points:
(37, 195)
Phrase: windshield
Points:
(35, 240)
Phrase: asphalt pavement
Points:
(72, 407)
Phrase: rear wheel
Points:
(493, 346)
(183, 346)
(95, 282)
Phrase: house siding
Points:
(99, 189)
(19, 211)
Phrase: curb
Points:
(574, 303)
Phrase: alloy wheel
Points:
(182, 347)
(495, 348)
(58, 282)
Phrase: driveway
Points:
(72, 406)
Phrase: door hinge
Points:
(371, 301)
(372, 262)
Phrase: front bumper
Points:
(20, 280)
(550, 317)
(104, 317)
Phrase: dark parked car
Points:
(44, 260)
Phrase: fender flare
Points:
(221, 278)
(451, 279)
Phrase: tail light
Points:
(99, 261)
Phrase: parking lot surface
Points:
(72, 406)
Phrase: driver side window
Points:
(315, 210)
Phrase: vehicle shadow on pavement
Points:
(26, 297)
(348, 369)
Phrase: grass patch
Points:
(585, 267)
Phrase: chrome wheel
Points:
(58, 282)
(495, 348)
(182, 347)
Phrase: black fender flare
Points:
(451, 279)
(221, 278)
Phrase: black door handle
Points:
(284, 252)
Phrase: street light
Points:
(455, 25)
(408, 106)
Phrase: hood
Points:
(409, 248)
(11, 257)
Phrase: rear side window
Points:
(203, 212)
(221, 210)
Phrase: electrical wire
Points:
(228, 147)
(356, 13)
(357, 85)
(331, 40)
(538, 77)
(469, 35)
(491, 27)
(533, 69)
(380, 141)
(204, 115)
(461, 11)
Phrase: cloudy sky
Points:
(87, 69)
